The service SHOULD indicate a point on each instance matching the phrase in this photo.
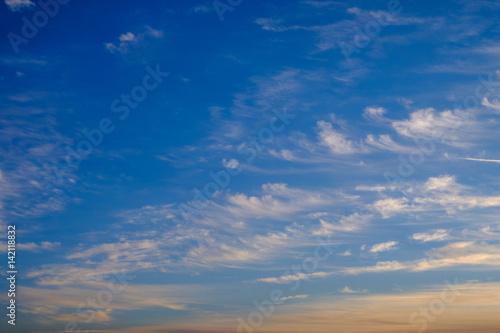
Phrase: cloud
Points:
(383, 266)
(374, 112)
(19, 5)
(387, 246)
(495, 105)
(447, 126)
(385, 142)
(43, 246)
(293, 297)
(347, 290)
(30, 183)
(225, 235)
(470, 308)
(332, 36)
(279, 201)
(321, 4)
(451, 202)
(222, 255)
(439, 235)
(64, 301)
(232, 231)
(348, 223)
(116, 251)
(377, 188)
(232, 163)
(445, 183)
(481, 160)
(335, 141)
(293, 277)
(387, 207)
(459, 254)
(128, 40)
(442, 192)
(275, 25)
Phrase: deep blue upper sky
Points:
(388, 154)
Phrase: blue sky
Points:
(194, 159)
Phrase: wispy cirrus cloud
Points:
(19, 5)
(439, 235)
(43, 246)
(458, 254)
(293, 277)
(336, 141)
(446, 126)
(381, 247)
(481, 160)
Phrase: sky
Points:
(251, 166)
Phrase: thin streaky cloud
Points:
(481, 160)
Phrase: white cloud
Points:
(345, 254)
(448, 126)
(441, 192)
(495, 105)
(18, 5)
(53, 302)
(43, 246)
(283, 154)
(385, 142)
(444, 183)
(459, 254)
(331, 36)
(293, 297)
(293, 277)
(334, 140)
(389, 312)
(455, 254)
(374, 112)
(451, 202)
(31, 168)
(115, 251)
(387, 246)
(377, 188)
(279, 201)
(274, 25)
(349, 223)
(232, 163)
(129, 39)
(347, 290)
(321, 4)
(387, 207)
(439, 235)
(481, 160)
(383, 266)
